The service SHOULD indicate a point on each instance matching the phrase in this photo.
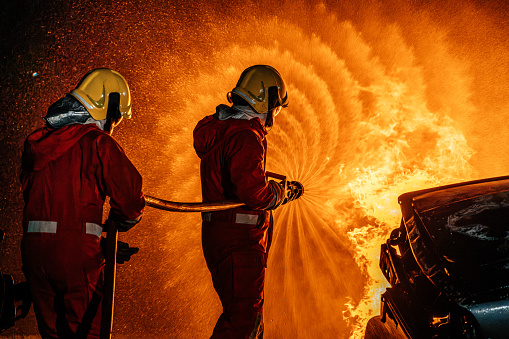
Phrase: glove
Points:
(124, 251)
(282, 195)
(292, 192)
(23, 293)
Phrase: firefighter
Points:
(68, 169)
(232, 147)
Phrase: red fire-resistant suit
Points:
(66, 175)
(236, 241)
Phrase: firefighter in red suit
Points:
(68, 169)
(232, 147)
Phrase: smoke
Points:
(385, 97)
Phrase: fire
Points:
(397, 169)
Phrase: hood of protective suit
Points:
(239, 112)
(66, 111)
(48, 144)
(211, 132)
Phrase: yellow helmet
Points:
(94, 90)
(253, 86)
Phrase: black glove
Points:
(23, 293)
(124, 252)
(282, 194)
(293, 191)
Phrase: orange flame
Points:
(396, 169)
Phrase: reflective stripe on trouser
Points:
(36, 226)
(238, 218)
(249, 219)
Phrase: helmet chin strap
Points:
(269, 121)
(113, 116)
(272, 104)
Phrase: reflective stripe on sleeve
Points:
(250, 219)
(94, 229)
(42, 227)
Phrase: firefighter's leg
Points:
(44, 292)
(83, 302)
(64, 287)
(239, 281)
(44, 300)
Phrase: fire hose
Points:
(293, 190)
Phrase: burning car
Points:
(448, 264)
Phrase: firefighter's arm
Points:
(122, 183)
(245, 165)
